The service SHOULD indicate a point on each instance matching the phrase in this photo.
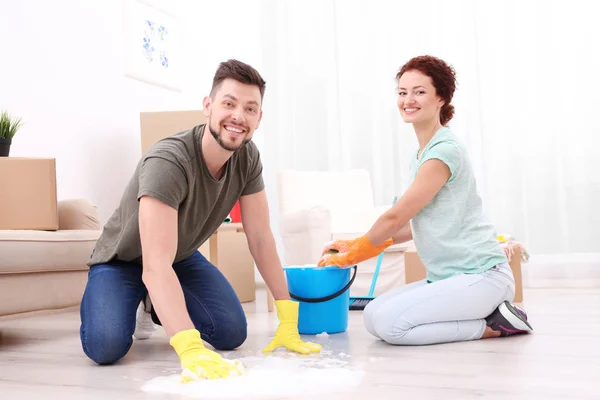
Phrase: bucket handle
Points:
(326, 298)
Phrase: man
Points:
(181, 191)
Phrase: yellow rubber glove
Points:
(287, 332)
(198, 362)
(351, 252)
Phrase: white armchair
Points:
(319, 206)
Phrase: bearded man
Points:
(146, 265)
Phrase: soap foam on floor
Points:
(269, 376)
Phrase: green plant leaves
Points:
(9, 125)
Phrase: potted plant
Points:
(8, 128)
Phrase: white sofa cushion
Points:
(304, 235)
(23, 251)
(78, 214)
(319, 206)
(299, 190)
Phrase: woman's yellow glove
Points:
(287, 333)
(198, 362)
(351, 252)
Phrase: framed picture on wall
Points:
(151, 44)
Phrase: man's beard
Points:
(222, 143)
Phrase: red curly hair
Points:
(443, 77)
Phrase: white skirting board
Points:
(574, 270)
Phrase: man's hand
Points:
(198, 362)
(287, 333)
(351, 252)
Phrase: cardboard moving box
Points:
(28, 194)
(415, 270)
(228, 250)
(158, 125)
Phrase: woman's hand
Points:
(346, 253)
(337, 246)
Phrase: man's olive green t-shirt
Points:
(174, 172)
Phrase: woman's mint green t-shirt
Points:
(451, 233)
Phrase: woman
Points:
(469, 283)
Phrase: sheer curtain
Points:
(525, 106)
(538, 64)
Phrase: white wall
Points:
(63, 74)
(64, 78)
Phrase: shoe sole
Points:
(513, 316)
(521, 311)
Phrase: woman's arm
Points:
(403, 235)
(393, 226)
(432, 175)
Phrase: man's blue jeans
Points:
(114, 291)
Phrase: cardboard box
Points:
(28, 193)
(158, 125)
(228, 250)
(415, 270)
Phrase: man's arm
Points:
(158, 234)
(256, 222)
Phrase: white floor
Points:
(41, 357)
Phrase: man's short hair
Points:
(239, 71)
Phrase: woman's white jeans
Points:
(450, 310)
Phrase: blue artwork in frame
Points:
(150, 44)
(153, 44)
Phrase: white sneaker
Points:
(144, 326)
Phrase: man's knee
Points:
(105, 346)
(230, 334)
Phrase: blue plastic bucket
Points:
(324, 297)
